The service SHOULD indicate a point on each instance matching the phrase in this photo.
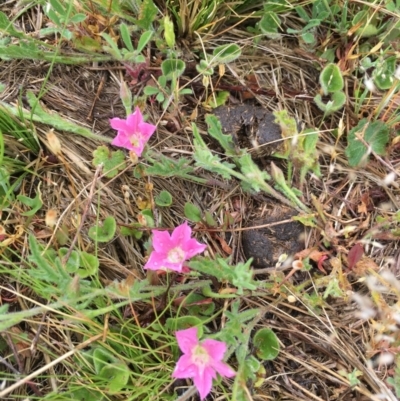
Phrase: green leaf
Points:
(205, 159)
(89, 265)
(333, 289)
(169, 33)
(104, 232)
(192, 212)
(7, 26)
(150, 90)
(215, 130)
(266, 344)
(173, 68)
(269, 24)
(226, 53)
(147, 14)
(144, 39)
(219, 99)
(167, 167)
(113, 161)
(164, 199)
(241, 275)
(331, 79)
(126, 37)
(198, 305)
(204, 68)
(58, 7)
(375, 135)
(78, 18)
(132, 231)
(209, 219)
(116, 376)
(309, 38)
(34, 203)
(338, 99)
(113, 47)
(384, 73)
(72, 264)
(184, 322)
(146, 218)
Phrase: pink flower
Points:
(171, 251)
(200, 360)
(133, 133)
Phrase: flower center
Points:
(200, 356)
(176, 255)
(135, 141)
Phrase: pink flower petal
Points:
(216, 349)
(181, 234)
(122, 141)
(118, 124)
(223, 369)
(187, 339)
(203, 382)
(193, 247)
(184, 368)
(133, 120)
(161, 241)
(155, 262)
(147, 130)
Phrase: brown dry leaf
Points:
(363, 265)
(226, 248)
(311, 253)
(22, 346)
(362, 207)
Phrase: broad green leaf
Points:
(375, 135)
(150, 90)
(226, 53)
(116, 376)
(104, 232)
(173, 68)
(384, 73)
(72, 264)
(164, 198)
(331, 79)
(113, 161)
(192, 212)
(269, 23)
(266, 344)
(89, 265)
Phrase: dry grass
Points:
(318, 342)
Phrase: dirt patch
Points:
(252, 127)
(268, 242)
